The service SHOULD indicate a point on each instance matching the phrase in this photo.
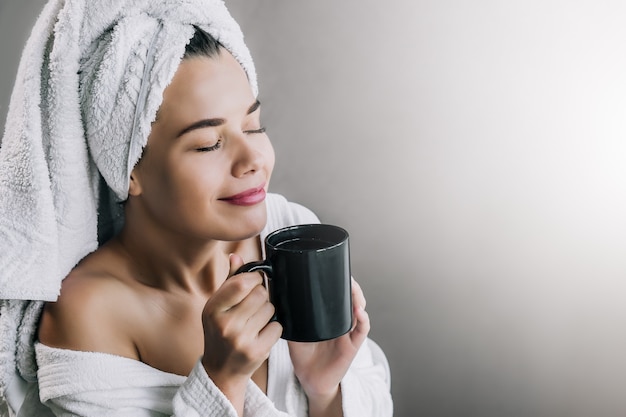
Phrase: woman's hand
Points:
(321, 366)
(238, 336)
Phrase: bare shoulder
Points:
(94, 309)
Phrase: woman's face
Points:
(208, 161)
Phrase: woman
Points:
(149, 324)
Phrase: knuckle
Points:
(365, 322)
(269, 308)
(259, 293)
(239, 346)
(247, 282)
(228, 330)
(247, 352)
(276, 328)
(265, 312)
(239, 284)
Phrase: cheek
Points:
(176, 186)
(160, 193)
(192, 181)
(270, 157)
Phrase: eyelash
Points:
(218, 144)
(215, 147)
(260, 130)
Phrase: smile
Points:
(247, 198)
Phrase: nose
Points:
(248, 157)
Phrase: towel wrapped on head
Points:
(89, 84)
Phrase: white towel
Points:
(89, 83)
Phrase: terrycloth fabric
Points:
(88, 87)
(75, 383)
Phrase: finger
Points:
(358, 298)
(262, 316)
(270, 333)
(255, 309)
(362, 328)
(245, 320)
(236, 262)
(234, 290)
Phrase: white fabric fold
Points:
(90, 383)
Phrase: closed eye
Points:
(260, 130)
(217, 145)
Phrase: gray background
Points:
(476, 153)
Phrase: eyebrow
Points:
(216, 121)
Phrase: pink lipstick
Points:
(247, 198)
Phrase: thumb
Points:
(236, 262)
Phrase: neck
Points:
(172, 262)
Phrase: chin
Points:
(255, 229)
(251, 226)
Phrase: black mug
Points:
(309, 280)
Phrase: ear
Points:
(134, 186)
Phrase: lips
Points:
(247, 198)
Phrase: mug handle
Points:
(255, 266)
(264, 267)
